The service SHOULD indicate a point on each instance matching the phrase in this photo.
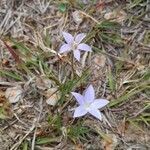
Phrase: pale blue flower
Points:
(88, 103)
(74, 44)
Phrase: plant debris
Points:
(36, 79)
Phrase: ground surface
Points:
(118, 68)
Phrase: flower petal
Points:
(68, 37)
(96, 113)
(76, 54)
(65, 48)
(99, 103)
(89, 94)
(79, 111)
(84, 47)
(80, 37)
(78, 97)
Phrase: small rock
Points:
(77, 17)
(116, 15)
(43, 83)
(110, 142)
(100, 60)
(14, 94)
(52, 96)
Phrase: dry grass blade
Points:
(16, 145)
(118, 68)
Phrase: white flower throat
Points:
(74, 45)
(87, 106)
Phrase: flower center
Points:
(74, 46)
(87, 106)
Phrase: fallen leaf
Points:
(43, 83)
(79, 147)
(53, 96)
(14, 94)
(77, 17)
(116, 15)
(5, 110)
(110, 142)
(100, 60)
(122, 127)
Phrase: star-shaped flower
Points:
(74, 44)
(88, 103)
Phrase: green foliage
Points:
(128, 94)
(77, 132)
(3, 113)
(55, 124)
(112, 38)
(108, 25)
(11, 74)
(47, 39)
(108, 33)
(33, 61)
(46, 140)
(146, 75)
(55, 121)
(25, 145)
(144, 116)
(69, 85)
(118, 66)
(21, 47)
(111, 82)
(62, 7)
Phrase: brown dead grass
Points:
(125, 62)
